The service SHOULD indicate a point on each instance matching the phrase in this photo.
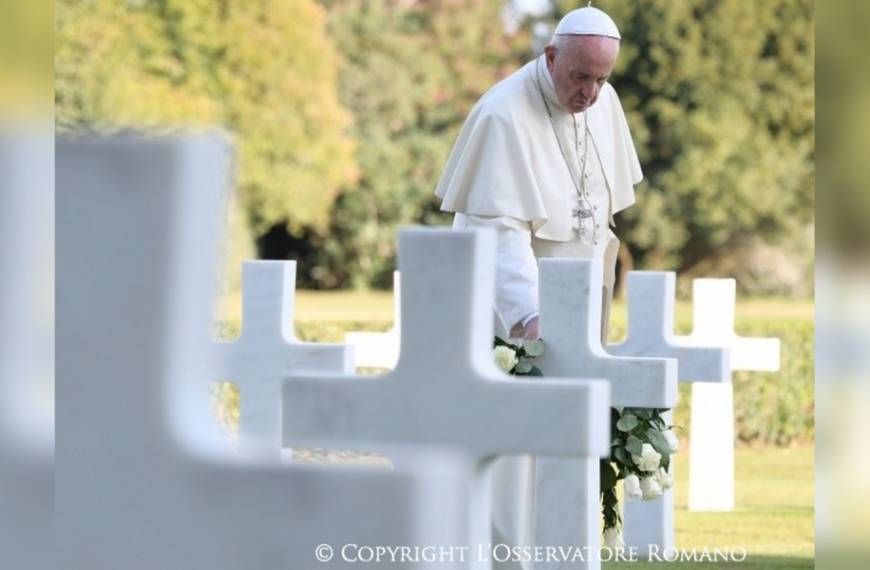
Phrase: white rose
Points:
(631, 488)
(613, 539)
(505, 358)
(673, 440)
(648, 460)
(665, 479)
(650, 488)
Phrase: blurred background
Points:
(843, 278)
(26, 286)
(344, 112)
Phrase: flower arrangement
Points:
(515, 359)
(640, 452)
(640, 456)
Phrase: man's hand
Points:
(532, 330)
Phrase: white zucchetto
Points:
(587, 21)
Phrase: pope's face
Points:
(580, 66)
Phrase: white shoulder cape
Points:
(506, 161)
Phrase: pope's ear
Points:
(550, 53)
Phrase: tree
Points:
(25, 34)
(720, 99)
(411, 72)
(844, 229)
(264, 69)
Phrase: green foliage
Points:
(719, 95)
(779, 407)
(720, 99)
(25, 37)
(630, 430)
(770, 407)
(265, 70)
(523, 352)
(844, 228)
(410, 74)
(225, 403)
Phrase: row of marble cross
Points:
(569, 314)
(147, 483)
(650, 297)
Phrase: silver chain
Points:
(579, 188)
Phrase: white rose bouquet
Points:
(515, 359)
(640, 456)
(640, 452)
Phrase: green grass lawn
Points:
(329, 306)
(335, 306)
(773, 519)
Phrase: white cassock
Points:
(507, 171)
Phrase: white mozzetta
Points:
(446, 390)
(146, 482)
(267, 350)
(567, 490)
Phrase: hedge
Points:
(775, 408)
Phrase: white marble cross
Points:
(267, 350)
(567, 490)
(711, 457)
(445, 390)
(651, 299)
(651, 296)
(380, 350)
(26, 346)
(146, 482)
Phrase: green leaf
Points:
(523, 367)
(610, 500)
(535, 371)
(634, 445)
(626, 423)
(498, 341)
(608, 475)
(622, 456)
(643, 413)
(534, 347)
(658, 441)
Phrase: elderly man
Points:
(545, 158)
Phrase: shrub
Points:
(770, 407)
(775, 408)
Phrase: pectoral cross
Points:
(581, 214)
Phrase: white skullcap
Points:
(587, 21)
